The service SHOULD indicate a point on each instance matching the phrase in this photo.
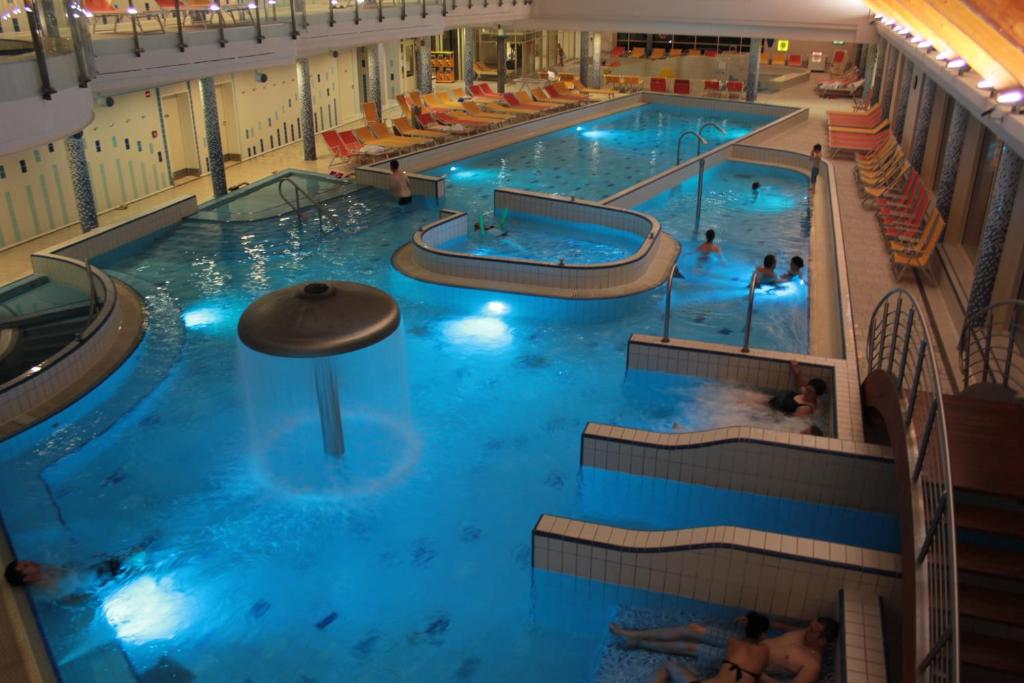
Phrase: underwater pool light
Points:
(452, 169)
(579, 127)
(496, 307)
(201, 317)
(146, 609)
(480, 331)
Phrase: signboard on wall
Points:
(783, 46)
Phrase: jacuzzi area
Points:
(510, 427)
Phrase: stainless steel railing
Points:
(297, 206)
(900, 344)
(668, 301)
(750, 312)
(990, 347)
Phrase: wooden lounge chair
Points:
(681, 86)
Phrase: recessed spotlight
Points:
(1010, 96)
(944, 56)
(925, 44)
(915, 40)
(986, 84)
(957, 63)
(904, 31)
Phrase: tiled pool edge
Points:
(734, 566)
(860, 654)
(761, 368)
(760, 461)
(647, 268)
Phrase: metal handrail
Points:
(668, 301)
(990, 346)
(679, 142)
(700, 169)
(297, 207)
(750, 312)
(900, 344)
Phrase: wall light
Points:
(904, 31)
(1010, 96)
(945, 56)
(986, 84)
(958, 63)
(925, 44)
(889, 22)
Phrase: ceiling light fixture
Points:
(1010, 96)
(925, 44)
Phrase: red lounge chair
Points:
(535, 106)
(552, 91)
(795, 60)
(681, 86)
(658, 85)
(712, 88)
(734, 88)
(618, 51)
(710, 53)
(845, 141)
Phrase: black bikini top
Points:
(740, 671)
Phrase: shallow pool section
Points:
(414, 576)
(591, 160)
(539, 239)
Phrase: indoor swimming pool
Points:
(592, 160)
(424, 575)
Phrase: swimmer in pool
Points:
(755, 189)
(733, 658)
(796, 266)
(398, 184)
(66, 586)
(802, 401)
(766, 272)
(709, 247)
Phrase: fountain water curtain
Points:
(320, 321)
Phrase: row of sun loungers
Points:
(910, 222)
(660, 52)
(430, 118)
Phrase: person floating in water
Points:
(765, 274)
(398, 184)
(731, 657)
(803, 400)
(709, 247)
(64, 585)
(797, 652)
(815, 157)
(796, 265)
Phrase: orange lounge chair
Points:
(481, 69)
(541, 95)
(658, 84)
(536, 106)
(383, 133)
(435, 101)
(370, 111)
(463, 119)
(843, 141)
(681, 86)
(555, 91)
(638, 52)
(864, 131)
(408, 130)
(354, 146)
(765, 58)
(475, 110)
(579, 87)
(657, 53)
(366, 137)
(852, 119)
(675, 52)
(430, 123)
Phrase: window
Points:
(23, 165)
(3, 173)
(981, 191)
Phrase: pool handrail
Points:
(668, 301)
(701, 140)
(900, 340)
(750, 312)
(298, 206)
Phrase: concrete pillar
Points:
(585, 58)
(924, 117)
(214, 151)
(372, 76)
(502, 50)
(993, 235)
(468, 56)
(870, 67)
(306, 121)
(951, 159)
(650, 45)
(899, 117)
(424, 70)
(81, 183)
(753, 68)
(889, 80)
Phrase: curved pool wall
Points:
(426, 258)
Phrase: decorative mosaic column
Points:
(585, 58)
(951, 159)
(891, 57)
(81, 183)
(993, 235)
(372, 76)
(650, 45)
(424, 70)
(753, 69)
(924, 117)
(870, 76)
(468, 56)
(596, 75)
(502, 50)
(306, 122)
(214, 151)
(899, 117)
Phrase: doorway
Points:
(181, 136)
(229, 140)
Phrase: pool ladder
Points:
(668, 307)
(297, 206)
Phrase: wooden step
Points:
(984, 445)
(987, 652)
(991, 605)
(989, 520)
(996, 562)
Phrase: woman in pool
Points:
(744, 661)
(802, 401)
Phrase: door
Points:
(181, 135)
(229, 141)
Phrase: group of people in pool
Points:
(735, 655)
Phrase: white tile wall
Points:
(780, 464)
(783, 575)
(861, 642)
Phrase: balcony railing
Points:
(900, 344)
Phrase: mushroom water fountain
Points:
(323, 366)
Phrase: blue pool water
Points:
(593, 160)
(409, 580)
